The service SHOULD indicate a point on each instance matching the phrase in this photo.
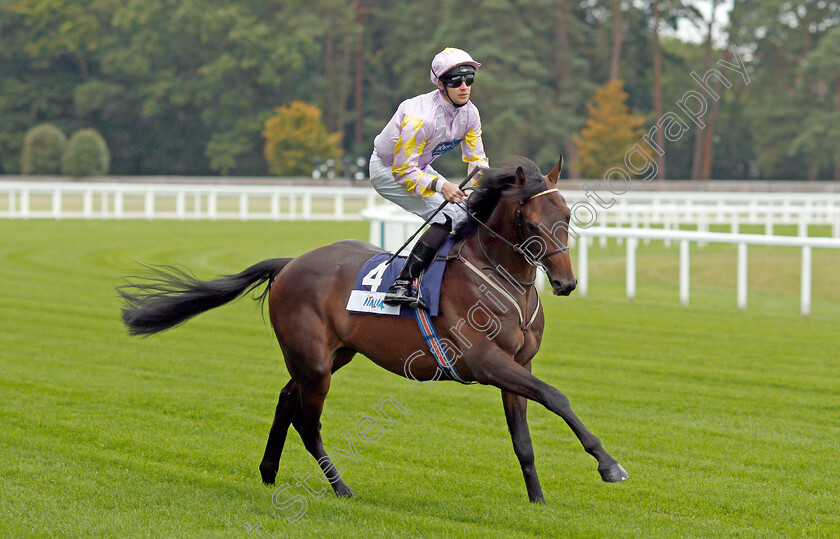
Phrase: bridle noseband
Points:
(520, 225)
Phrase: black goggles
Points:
(455, 82)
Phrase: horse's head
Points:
(542, 221)
(525, 210)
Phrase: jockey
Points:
(423, 128)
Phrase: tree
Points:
(617, 36)
(818, 140)
(780, 36)
(610, 131)
(608, 18)
(663, 13)
(340, 37)
(185, 86)
(701, 163)
(205, 74)
(531, 89)
(46, 48)
(656, 7)
(66, 30)
(295, 136)
(570, 70)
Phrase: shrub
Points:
(43, 146)
(86, 155)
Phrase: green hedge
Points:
(86, 155)
(43, 148)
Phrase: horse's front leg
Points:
(516, 409)
(502, 372)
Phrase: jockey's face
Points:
(457, 96)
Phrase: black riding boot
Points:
(420, 258)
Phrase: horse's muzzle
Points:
(563, 287)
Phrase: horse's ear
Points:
(554, 175)
(520, 177)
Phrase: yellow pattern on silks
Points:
(402, 168)
(421, 147)
(472, 140)
(409, 146)
(407, 151)
(410, 184)
(424, 191)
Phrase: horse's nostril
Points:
(563, 288)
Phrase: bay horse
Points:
(513, 209)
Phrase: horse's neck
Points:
(484, 250)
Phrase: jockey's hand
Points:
(451, 192)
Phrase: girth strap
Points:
(436, 347)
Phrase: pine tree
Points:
(609, 132)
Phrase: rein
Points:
(520, 226)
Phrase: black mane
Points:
(492, 184)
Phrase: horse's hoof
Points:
(268, 475)
(345, 492)
(614, 473)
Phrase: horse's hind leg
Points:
(288, 412)
(313, 391)
(516, 409)
(288, 406)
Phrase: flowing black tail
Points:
(168, 296)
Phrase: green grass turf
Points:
(726, 420)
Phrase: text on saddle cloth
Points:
(375, 277)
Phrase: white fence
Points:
(685, 238)
(389, 229)
(670, 209)
(77, 200)
(80, 200)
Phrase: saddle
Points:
(376, 276)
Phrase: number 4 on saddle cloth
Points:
(373, 281)
(375, 277)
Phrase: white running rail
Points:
(80, 200)
(685, 238)
(21, 199)
(670, 209)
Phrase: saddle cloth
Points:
(375, 278)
